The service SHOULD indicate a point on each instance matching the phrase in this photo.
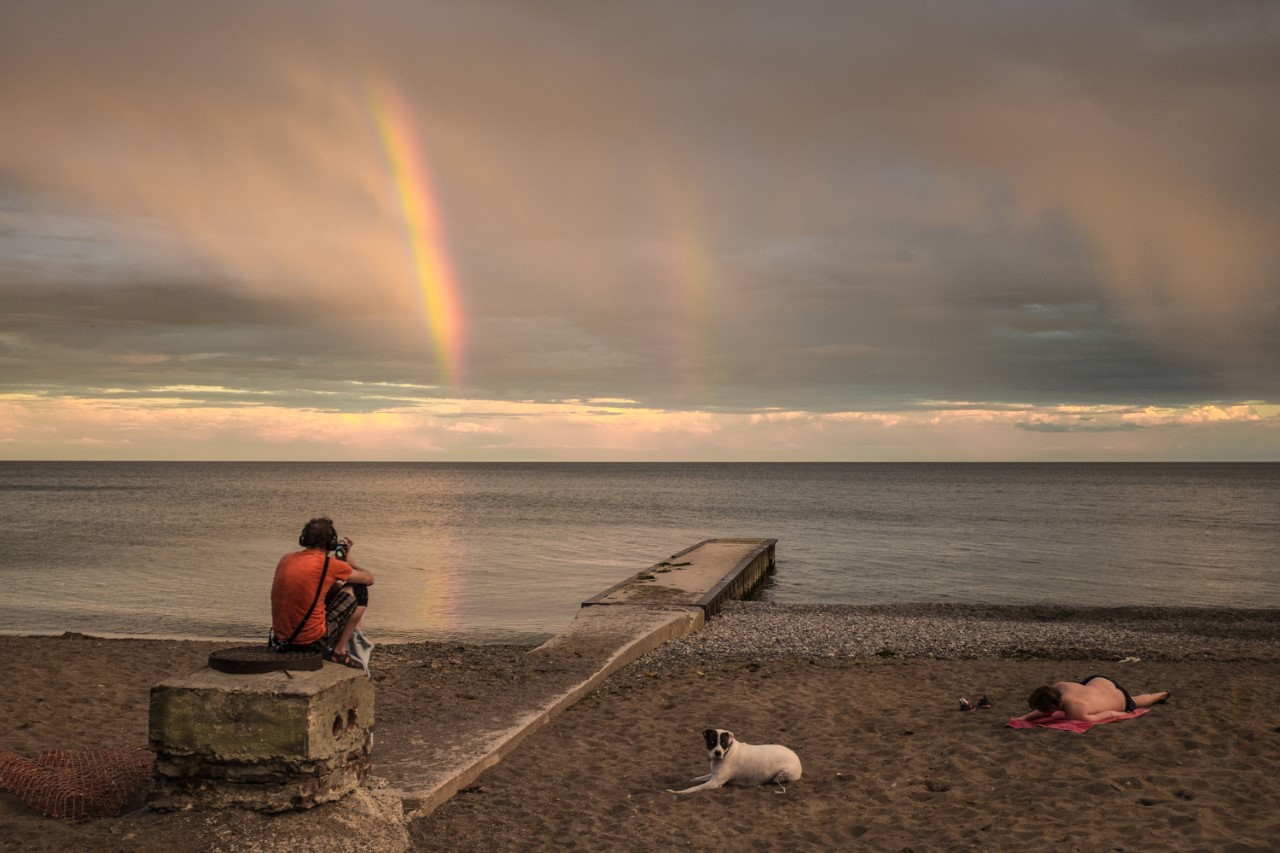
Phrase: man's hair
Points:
(1046, 699)
(319, 533)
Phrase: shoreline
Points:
(1207, 620)
(865, 694)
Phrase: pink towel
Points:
(1058, 720)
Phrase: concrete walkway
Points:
(670, 599)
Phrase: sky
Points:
(638, 231)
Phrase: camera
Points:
(340, 551)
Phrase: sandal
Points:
(984, 702)
(341, 658)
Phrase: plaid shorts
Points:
(338, 608)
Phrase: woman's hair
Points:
(319, 533)
(1047, 699)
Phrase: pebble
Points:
(761, 631)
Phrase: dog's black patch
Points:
(709, 735)
(725, 739)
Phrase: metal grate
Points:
(249, 660)
(61, 784)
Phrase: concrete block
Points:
(302, 716)
(270, 741)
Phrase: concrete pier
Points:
(702, 576)
(668, 600)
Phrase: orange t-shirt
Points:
(294, 588)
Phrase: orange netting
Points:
(93, 783)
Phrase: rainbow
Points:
(397, 134)
(692, 272)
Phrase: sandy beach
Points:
(890, 763)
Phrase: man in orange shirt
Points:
(299, 620)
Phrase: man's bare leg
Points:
(1145, 700)
(340, 645)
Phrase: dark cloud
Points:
(727, 206)
(135, 337)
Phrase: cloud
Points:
(1075, 425)
(183, 427)
(811, 207)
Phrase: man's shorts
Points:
(338, 608)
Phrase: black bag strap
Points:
(319, 589)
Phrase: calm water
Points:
(505, 552)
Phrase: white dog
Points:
(736, 763)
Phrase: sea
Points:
(506, 552)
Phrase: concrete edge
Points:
(739, 581)
(667, 624)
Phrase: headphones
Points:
(329, 546)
